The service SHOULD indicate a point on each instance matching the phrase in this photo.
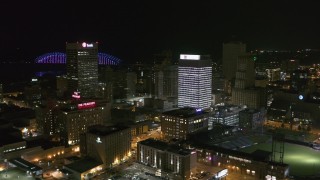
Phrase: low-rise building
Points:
(107, 144)
(177, 124)
(227, 115)
(169, 158)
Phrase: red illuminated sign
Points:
(86, 105)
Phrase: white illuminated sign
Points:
(98, 140)
(189, 57)
(86, 45)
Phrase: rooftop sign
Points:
(189, 57)
(84, 44)
(87, 105)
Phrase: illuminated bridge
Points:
(60, 58)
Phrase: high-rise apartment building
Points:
(82, 68)
(194, 81)
(230, 53)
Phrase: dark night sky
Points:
(134, 30)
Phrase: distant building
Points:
(227, 115)
(62, 85)
(299, 80)
(177, 124)
(244, 91)
(122, 83)
(273, 74)
(290, 65)
(170, 158)
(230, 53)
(166, 82)
(251, 118)
(82, 67)
(298, 107)
(46, 118)
(195, 81)
(252, 98)
(110, 145)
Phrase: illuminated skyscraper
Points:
(82, 67)
(194, 81)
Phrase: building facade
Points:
(46, 119)
(251, 118)
(227, 115)
(256, 164)
(194, 81)
(76, 118)
(82, 67)
(160, 155)
(244, 91)
(110, 145)
(177, 124)
(230, 53)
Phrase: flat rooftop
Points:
(103, 130)
(25, 165)
(185, 112)
(83, 165)
(165, 146)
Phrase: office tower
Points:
(110, 145)
(230, 54)
(170, 81)
(245, 74)
(158, 89)
(194, 81)
(177, 124)
(166, 82)
(244, 91)
(82, 68)
(121, 82)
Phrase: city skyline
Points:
(134, 31)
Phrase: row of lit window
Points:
(18, 148)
